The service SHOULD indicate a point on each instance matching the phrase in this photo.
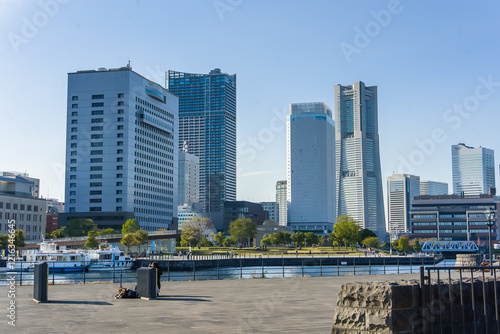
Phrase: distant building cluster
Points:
(163, 154)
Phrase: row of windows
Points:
(22, 216)
(16, 206)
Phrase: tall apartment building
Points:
(311, 167)
(473, 170)
(281, 199)
(358, 175)
(207, 120)
(20, 207)
(121, 150)
(273, 209)
(401, 191)
(433, 188)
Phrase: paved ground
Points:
(273, 305)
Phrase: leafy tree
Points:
(310, 238)
(219, 238)
(371, 242)
(59, 233)
(395, 244)
(19, 239)
(266, 241)
(91, 240)
(142, 237)
(184, 241)
(107, 231)
(346, 231)
(386, 244)
(298, 238)
(322, 240)
(128, 241)
(243, 228)
(4, 240)
(130, 226)
(287, 238)
(404, 244)
(416, 246)
(366, 233)
(193, 230)
(229, 241)
(204, 242)
(79, 227)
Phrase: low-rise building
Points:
(243, 209)
(454, 218)
(269, 227)
(19, 206)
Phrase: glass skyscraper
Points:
(473, 170)
(401, 190)
(358, 176)
(207, 122)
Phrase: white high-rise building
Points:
(311, 167)
(121, 150)
(473, 170)
(281, 199)
(401, 190)
(433, 188)
(358, 175)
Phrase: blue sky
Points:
(435, 64)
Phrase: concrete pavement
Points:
(270, 305)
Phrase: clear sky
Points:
(436, 65)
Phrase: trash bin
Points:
(146, 283)
(41, 282)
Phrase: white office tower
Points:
(401, 190)
(311, 167)
(121, 150)
(433, 188)
(359, 180)
(281, 199)
(473, 170)
(189, 179)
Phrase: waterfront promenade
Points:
(270, 305)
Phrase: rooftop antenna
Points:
(128, 65)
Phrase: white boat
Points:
(59, 261)
(109, 259)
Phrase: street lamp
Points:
(491, 219)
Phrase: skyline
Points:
(441, 68)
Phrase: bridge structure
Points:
(449, 246)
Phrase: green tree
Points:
(59, 233)
(19, 239)
(219, 238)
(366, 233)
(322, 240)
(204, 242)
(130, 226)
(142, 237)
(4, 240)
(184, 240)
(91, 240)
(298, 238)
(416, 246)
(404, 244)
(266, 241)
(395, 244)
(243, 228)
(371, 242)
(229, 241)
(79, 227)
(107, 231)
(346, 231)
(128, 241)
(310, 238)
(193, 230)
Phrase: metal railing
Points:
(194, 269)
(459, 299)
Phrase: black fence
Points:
(229, 269)
(459, 300)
